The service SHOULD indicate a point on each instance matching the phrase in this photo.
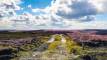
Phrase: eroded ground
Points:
(48, 47)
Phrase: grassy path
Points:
(57, 50)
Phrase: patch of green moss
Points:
(53, 45)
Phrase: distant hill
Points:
(99, 32)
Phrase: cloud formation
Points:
(8, 7)
(61, 14)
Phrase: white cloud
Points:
(62, 14)
(29, 6)
(86, 25)
(8, 7)
(64, 5)
(101, 5)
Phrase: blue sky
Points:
(101, 16)
(33, 4)
(53, 14)
(44, 3)
(36, 3)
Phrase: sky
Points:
(53, 14)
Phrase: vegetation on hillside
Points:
(57, 49)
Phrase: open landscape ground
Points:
(53, 45)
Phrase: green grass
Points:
(71, 46)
